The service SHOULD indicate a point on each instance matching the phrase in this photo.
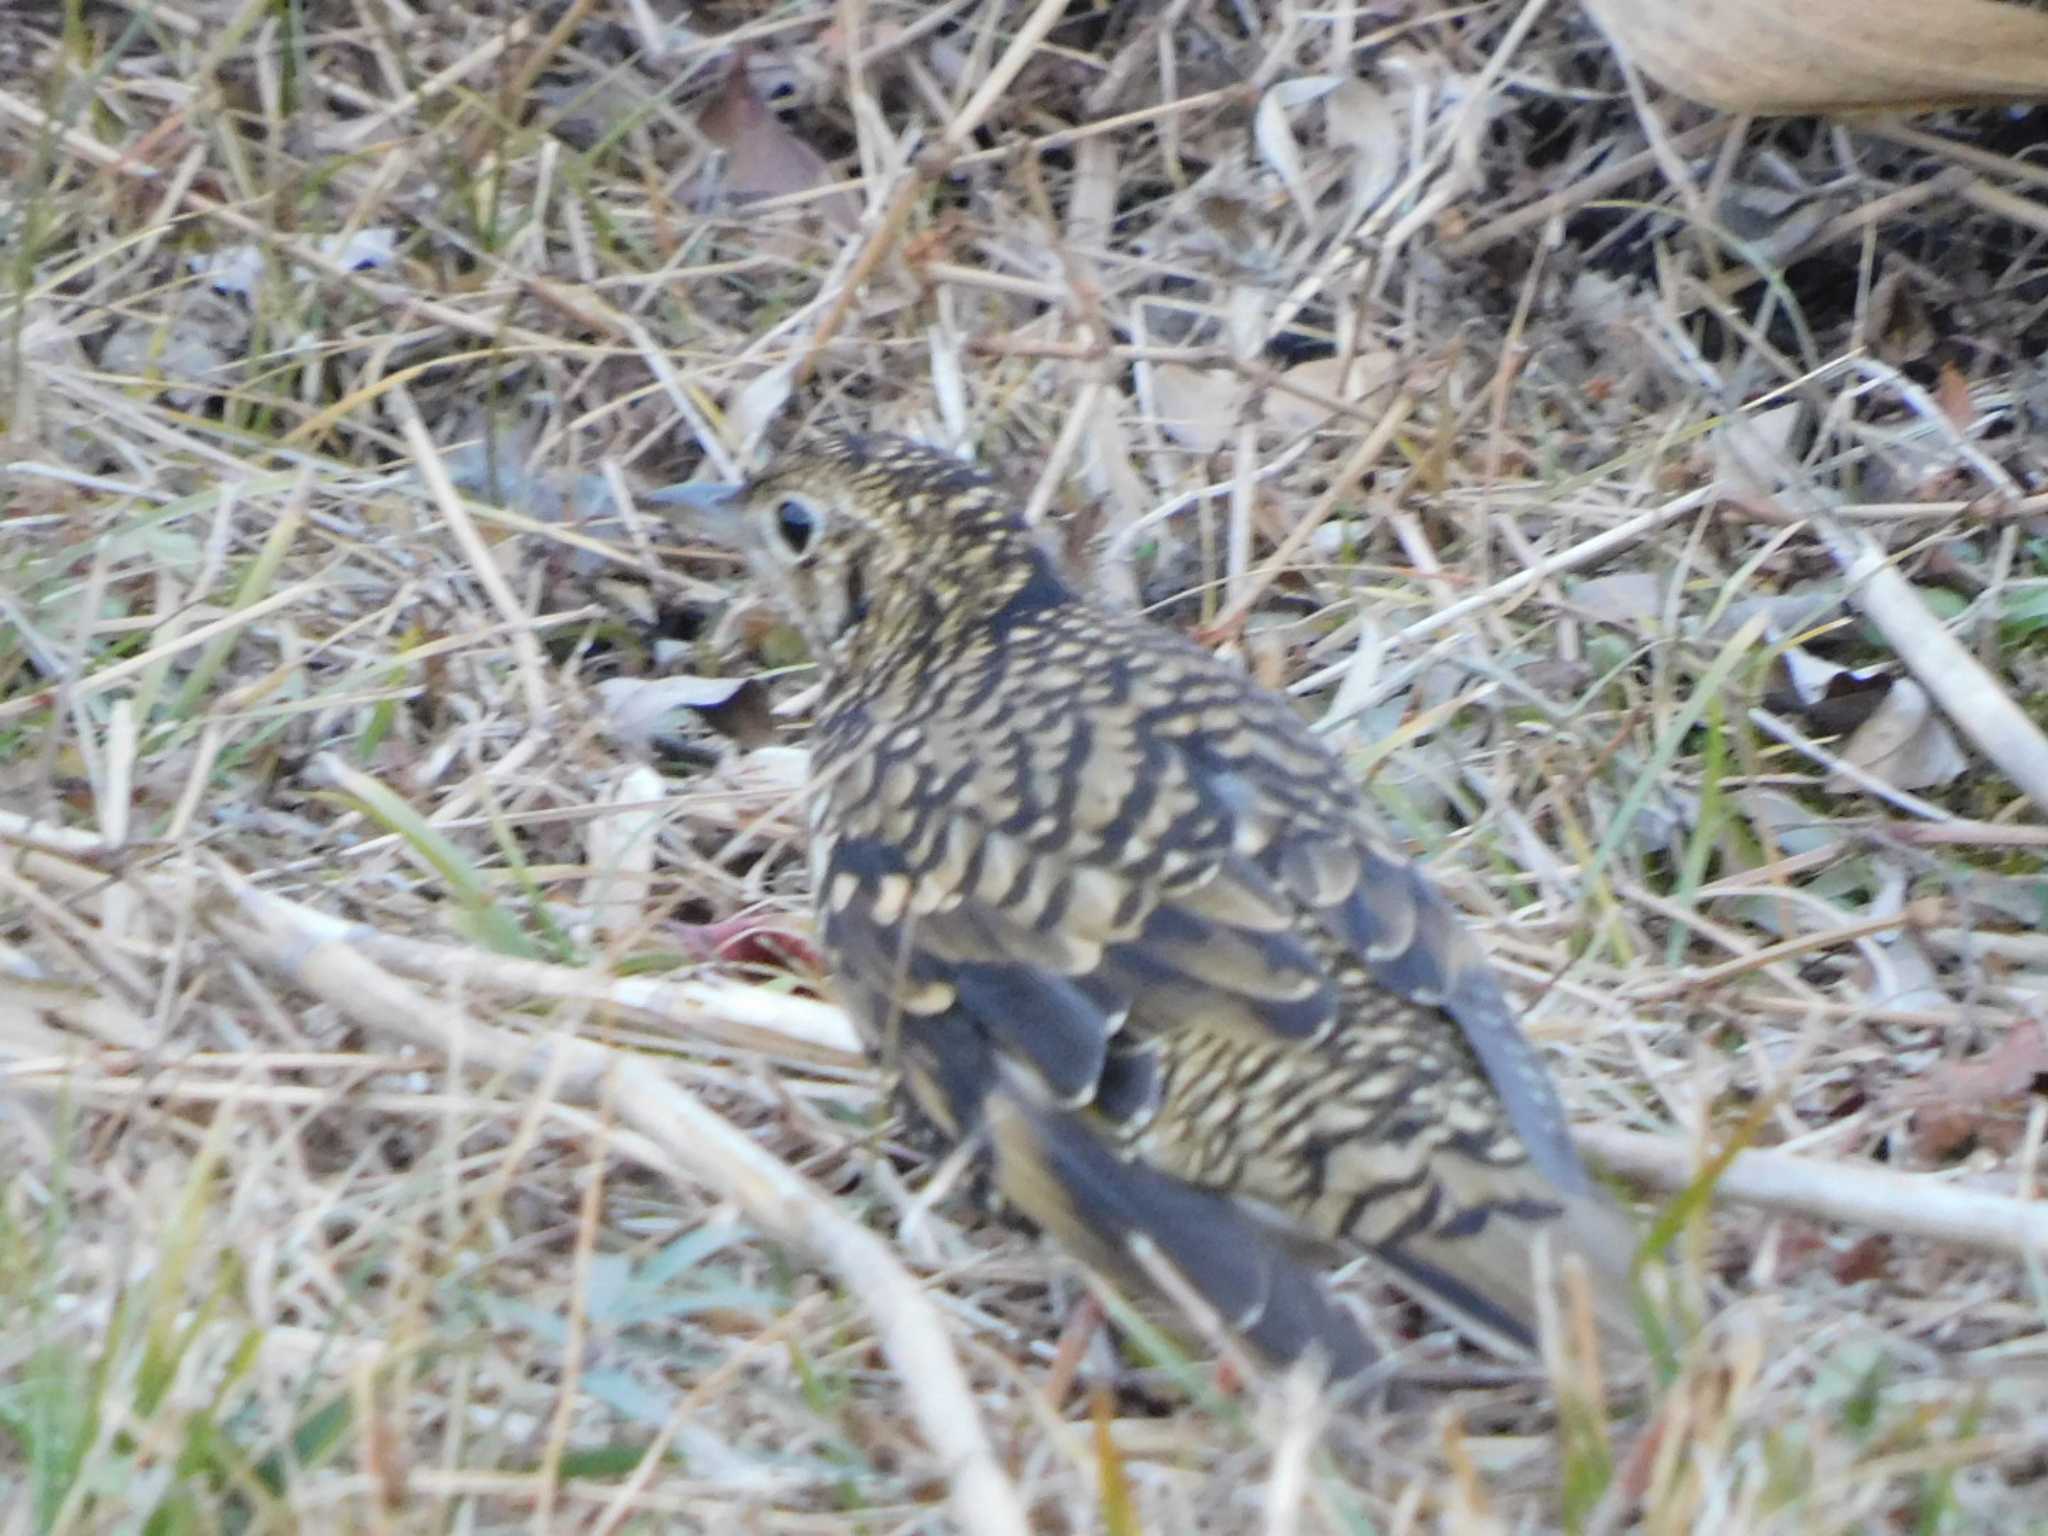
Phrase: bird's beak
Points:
(708, 509)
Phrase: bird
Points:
(1127, 930)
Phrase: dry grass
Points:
(383, 1153)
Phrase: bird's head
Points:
(870, 543)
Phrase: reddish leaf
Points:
(1865, 1259)
(763, 158)
(1952, 394)
(1974, 1099)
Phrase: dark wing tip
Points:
(1126, 1216)
(1047, 1020)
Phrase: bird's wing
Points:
(1008, 1026)
(1421, 1123)
(1161, 928)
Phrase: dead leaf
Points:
(1626, 598)
(1900, 330)
(1198, 407)
(1360, 116)
(1274, 134)
(1952, 394)
(1905, 743)
(1964, 1101)
(759, 401)
(1834, 55)
(1832, 699)
(1753, 452)
(1201, 407)
(1773, 222)
(1896, 973)
(763, 159)
(189, 353)
(1865, 1259)
(619, 846)
(1889, 725)
(1369, 370)
(639, 709)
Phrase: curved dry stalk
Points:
(692, 1141)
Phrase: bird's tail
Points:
(1128, 1219)
(1485, 1268)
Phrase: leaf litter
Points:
(676, 249)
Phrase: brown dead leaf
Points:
(1865, 1259)
(764, 158)
(1952, 394)
(1201, 407)
(637, 710)
(1900, 330)
(1625, 598)
(1887, 724)
(1753, 454)
(1976, 1100)
(1368, 371)
(1834, 55)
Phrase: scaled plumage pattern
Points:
(1118, 915)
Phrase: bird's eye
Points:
(796, 524)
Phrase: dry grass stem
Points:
(1903, 1204)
